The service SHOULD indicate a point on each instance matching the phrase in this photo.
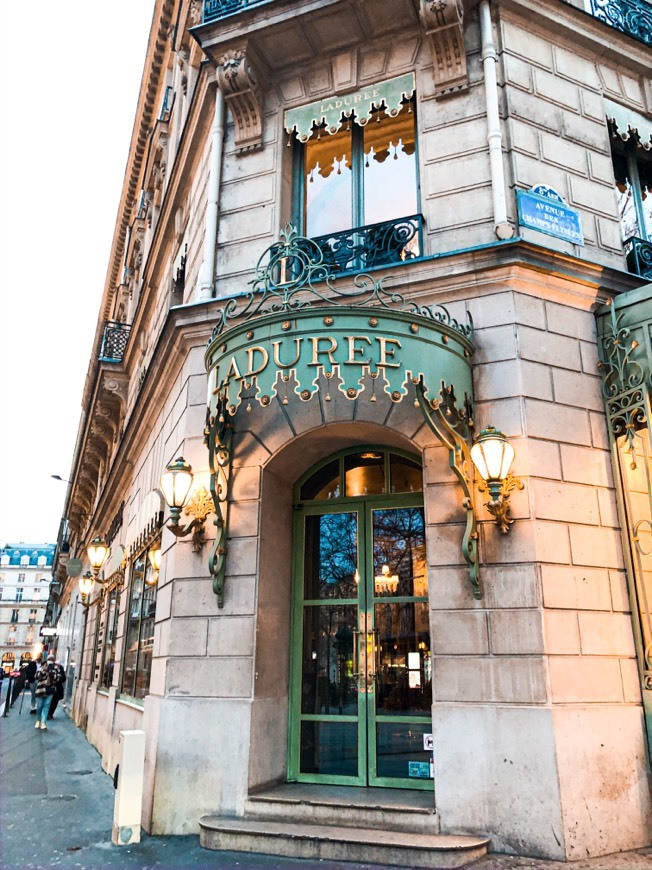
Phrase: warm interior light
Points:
(86, 583)
(492, 454)
(176, 481)
(97, 551)
(385, 582)
(155, 558)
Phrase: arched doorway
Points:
(360, 698)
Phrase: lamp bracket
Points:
(218, 437)
(453, 425)
(498, 504)
(199, 507)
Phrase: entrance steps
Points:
(377, 826)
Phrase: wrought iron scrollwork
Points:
(114, 341)
(623, 383)
(639, 256)
(453, 427)
(218, 436)
(633, 17)
(381, 244)
(285, 281)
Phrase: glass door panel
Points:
(362, 682)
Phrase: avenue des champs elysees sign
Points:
(291, 337)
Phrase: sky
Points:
(70, 76)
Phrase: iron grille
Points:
(382, 244)
(633, 17)
(216, 9)
(639, 256)
(114, 341)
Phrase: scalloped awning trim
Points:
(357, 107)
(627, 124)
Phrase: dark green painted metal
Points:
(367, 719)
(633, 17)
(218, 437)
(625, 347)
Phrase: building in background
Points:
(25, 575)
(354, 240)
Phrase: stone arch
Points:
(272, 449)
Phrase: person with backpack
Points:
(46, 687)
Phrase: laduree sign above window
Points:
(333, 110)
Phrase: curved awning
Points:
(332, 111)
(297, 334)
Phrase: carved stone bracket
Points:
(238, 81)
(442, 20)
(218, 437)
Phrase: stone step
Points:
(397, 812)
(338, 843)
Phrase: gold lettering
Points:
(232, 372)
(316, 352)
(251, 352)
(388, 352)
(277, 354)
(353, 350)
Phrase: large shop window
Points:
(108, 652)
(139, 640)
(631, 151)
(355, 175)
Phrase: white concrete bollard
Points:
(129, 794)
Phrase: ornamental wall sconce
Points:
(175, 483)
(86, 583)
(492, 455)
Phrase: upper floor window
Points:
(21, 578)
(24, 560)
(19, 594)
(631, 152)
(32, 615)
(14, 616)
(139, 630)
(355, 168)
(4, 559)
(37, 595)
(42, 560)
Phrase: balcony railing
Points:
(216, 9)
(114, 341)
(383, 244)
(633, 17)
(639, 257)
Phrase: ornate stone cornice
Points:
(442, 20)
(238, 80)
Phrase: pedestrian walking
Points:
(58, 695)
(30, 680)
(46, 683)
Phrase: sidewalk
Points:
(56, 811)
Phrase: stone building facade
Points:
(25, 575)
(355, 617)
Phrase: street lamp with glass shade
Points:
(176, 482)
(492, 455)
(97, 552)
(86, 583)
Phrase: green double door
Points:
(361, 671)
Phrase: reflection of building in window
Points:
(139, 634)
(108, 657)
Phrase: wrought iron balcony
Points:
(639, 256)
(216, 9)
(114, 341)
(633, 17)
(382, 244)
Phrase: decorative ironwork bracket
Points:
(199, 507)
(218, 437)
(453, 428)
(498, 504)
